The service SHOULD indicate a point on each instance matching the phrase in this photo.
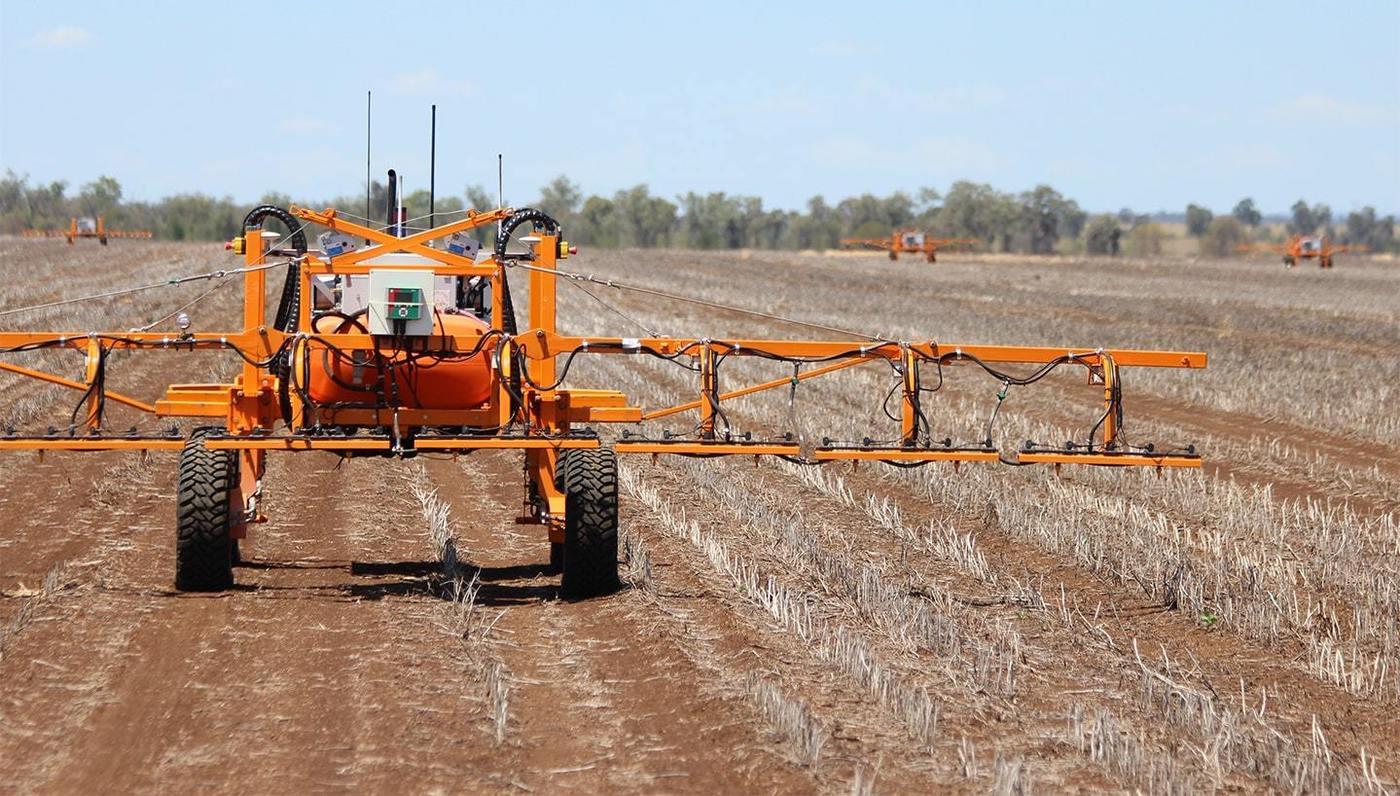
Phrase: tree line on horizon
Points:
(1037, 221)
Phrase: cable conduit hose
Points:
(289, 305)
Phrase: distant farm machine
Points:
(88, 227)
(908, 241)
(388, 342)
(1304, 247)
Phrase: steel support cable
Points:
(614, 310)
(139, 288)
(221, 273)
(202, 296)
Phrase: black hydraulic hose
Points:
(289, 305)
(257, 214)
(539, 217)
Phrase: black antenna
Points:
(369, 115)
(432, 171)
(500, 189)
(393, 202)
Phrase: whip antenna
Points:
(432, 170)
(369, 116)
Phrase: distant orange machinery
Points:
(907, 241)
(87, 228)
(1304, 247)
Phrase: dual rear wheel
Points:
(205, 550)
(587, 559)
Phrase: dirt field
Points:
(784, 629)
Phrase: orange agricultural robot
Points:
(385, 345)
(1304, 247)
(908, 241)
(87, 228)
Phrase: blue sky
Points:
(1142, 105)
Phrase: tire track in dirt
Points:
(317, 672)
(596, 702)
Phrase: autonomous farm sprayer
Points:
(388, 342)
(87, 227)
(908, 241)
(1304, 247)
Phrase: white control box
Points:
(401, 302)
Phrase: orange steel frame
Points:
(894, 244)
(249, 410)
(72, 233)
(1293, 250)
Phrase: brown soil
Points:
(335, 664)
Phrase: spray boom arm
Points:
(531, 408)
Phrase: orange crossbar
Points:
(753, 388)
(91, 443)
(904, 455)
(77, 385)
(1111, 459)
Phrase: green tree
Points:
(1363, 228)
(100, 197)
(597, 225)
(642, 219)
(1246, 213)
(479, 199)
(561, 200)
(1304, 222)
(1146, 240)
(1197, 220)
(1102, 234)
(1047, 215)
(1223, 236)
(819, 229)
(975, 210)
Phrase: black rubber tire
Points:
(589, 483)
(556, 558)
(203, 547)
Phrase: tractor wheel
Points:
(590, 522)
(1325, 262)
(894, 255)
(203, 548)
(1289, 262)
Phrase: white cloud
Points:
(1323, 109)
(305, 125)
(428, 81)
(61, 37)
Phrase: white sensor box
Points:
(400, 302)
